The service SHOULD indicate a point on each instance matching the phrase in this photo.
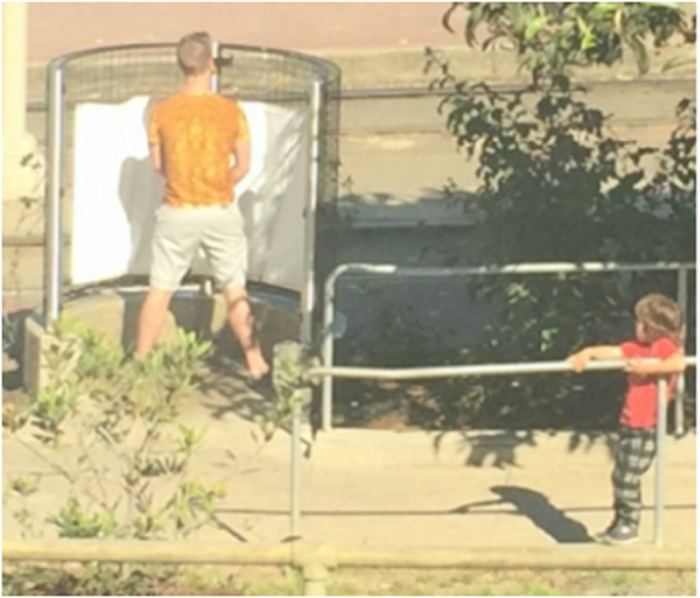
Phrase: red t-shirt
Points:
(639, 410)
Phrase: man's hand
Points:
(579, 361)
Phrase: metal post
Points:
(206, 285)
(295, 506)
(308, 295)
(327, 356)
(661, 406)
(53, 244)
(680, 384)
(214, 82)
(315, 577)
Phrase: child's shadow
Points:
(536, 506)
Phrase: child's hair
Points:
(194, 53)
(660, 316)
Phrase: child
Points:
(659, 324)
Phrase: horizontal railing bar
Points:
(555, 557)
(125, 551)
(505, 369)
(559, 557)
(526, 268)
(392, 93)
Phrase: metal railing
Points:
(495, 370)
(316, 562)
(536, 268)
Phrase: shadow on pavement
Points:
(227, 391)
(499, 449)
(537, 507)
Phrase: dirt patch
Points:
(405, 582)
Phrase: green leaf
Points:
(534, 26)
(448, 15)
(473, 21)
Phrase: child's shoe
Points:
(619, 534)
(599, 537)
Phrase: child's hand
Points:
(579, 361)
(637, 366)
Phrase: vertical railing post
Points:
(308, 294)
(206, 285)
(53, 223)
(290, 355)
(296, 441)
(679, 415)
(308, 291)
(661, 406)
(315, 578)
(215, 80)
(327, 352)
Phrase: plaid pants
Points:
(635, 453)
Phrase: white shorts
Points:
(180, 232)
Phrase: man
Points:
(193, 136)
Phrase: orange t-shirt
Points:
(197, 134)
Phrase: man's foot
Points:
(619, 534)
(258, 373)
(256, 365)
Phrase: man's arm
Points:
(154, 150)
(241, 151)
(154, 147)
(580, 360)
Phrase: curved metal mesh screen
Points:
(115, 75)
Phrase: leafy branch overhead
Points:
(551, 37)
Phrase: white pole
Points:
(53, 246)
(455, 371)
(661, 406)
(680, 384)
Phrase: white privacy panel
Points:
(116, 193)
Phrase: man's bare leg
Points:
(152, 319)
(240, 319)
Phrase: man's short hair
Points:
(194, 53)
